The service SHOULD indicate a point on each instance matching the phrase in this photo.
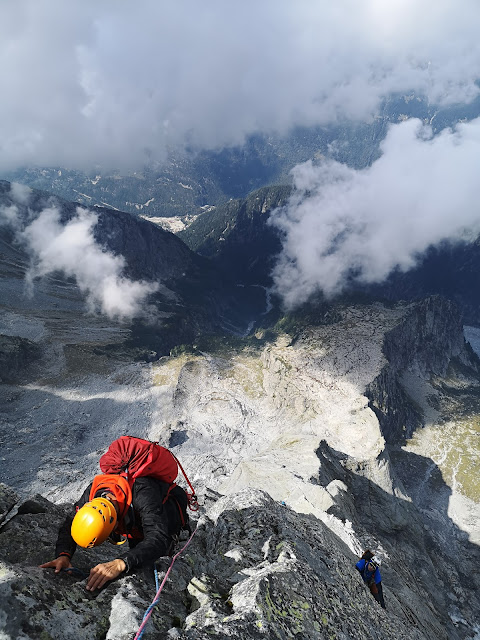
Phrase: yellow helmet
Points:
(94, 522)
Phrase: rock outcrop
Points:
(425, 344)
(426, 552)
(16, 354)
(254, 569)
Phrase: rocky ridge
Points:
(262, 421)
(425, 344)
(256, 569)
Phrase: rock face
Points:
(412, 527)
(425, 344)
(15, 356)
(448, 270)
(254, 569)
(238, 238)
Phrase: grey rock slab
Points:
(289, 576)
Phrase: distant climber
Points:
(139, 507)
(368, 566)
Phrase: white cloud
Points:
(422, 190)
(20, 193)
(118, 82)
(9, 217)
(72, 249)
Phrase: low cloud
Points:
(118, 84)
(9, 217)
(20, 193)
(72, 250)
(344, 225)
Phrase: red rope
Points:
(192, 498)
(155, 600)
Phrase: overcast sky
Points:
(118, 83)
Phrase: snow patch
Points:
(82, 194)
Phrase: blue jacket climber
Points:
(368, 566)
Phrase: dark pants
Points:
(377, 593)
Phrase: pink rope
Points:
(155, 600)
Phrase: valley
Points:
(357, 415)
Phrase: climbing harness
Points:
(148, 612)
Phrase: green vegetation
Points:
(459, 458)
(455, 448)
(167, 369)
(212, 225)
(227, 345)
(312, 314)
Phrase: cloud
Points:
(9, 217)
(20, 193)
(72, 249)
(119, 83)
(343, 223)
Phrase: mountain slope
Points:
(257, 570)
(450, 270)
(239, 240)
(285, 415)
(192, 297)
(361, 418)
(237, 236)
